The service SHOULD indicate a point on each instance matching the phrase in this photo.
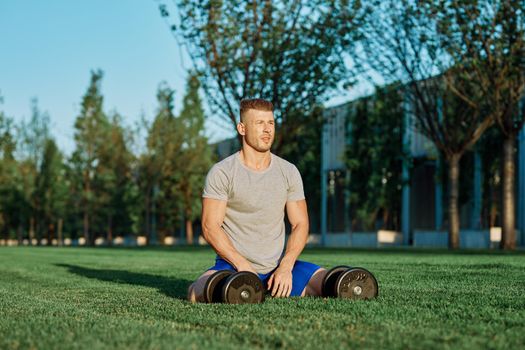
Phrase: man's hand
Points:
(280, 282)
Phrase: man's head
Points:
(257, 124)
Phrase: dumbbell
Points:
(234, 288)
(350, 282)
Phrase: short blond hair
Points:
(255, 103)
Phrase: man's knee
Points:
(196, 289)
(191, 293)
(314, 287)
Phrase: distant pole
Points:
(438, 193)
(477, 190)
(521, 179)
(405, 204)
(324, 141)
(438, 188)
(153, 238)
(347, 217)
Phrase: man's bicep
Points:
(295, 189)
(297, 212)
(213, 211)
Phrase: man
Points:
(243, 206)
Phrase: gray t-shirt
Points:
(254, 219)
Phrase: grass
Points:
(69, 298)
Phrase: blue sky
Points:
(48, 49)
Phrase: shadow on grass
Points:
(172, 287)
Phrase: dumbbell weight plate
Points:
(330, 279)
(213, 286)
(243, 288)
(356, 283)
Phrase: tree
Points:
(115, 181)
(7, 142)
(401, 41)
(9, 191)
(51, 190)
(286, 51)
(374, 159)
(195, 158)
(160, 170)
(32, 137)
(90, 127)
(490, 36)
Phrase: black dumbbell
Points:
(234, 288)
(350, 282)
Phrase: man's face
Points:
(258, 129)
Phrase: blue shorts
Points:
(301, 273)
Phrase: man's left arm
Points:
(281, 280)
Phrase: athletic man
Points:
(243, 206)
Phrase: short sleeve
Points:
(216, 185)
(295, 186)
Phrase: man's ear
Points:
(241, 129)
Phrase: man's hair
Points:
(255, 103)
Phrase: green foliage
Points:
(176, 160)
(101, 168)
(116, 180)
(403, 43)
(288, 52)
(51, 188)
(7, 141)
(374, 159)
(33, 186)
(160, 169)
(32, 138)
(490, 146)
(489, 36)
(195, 157)
(10, 193)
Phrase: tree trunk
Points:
(32, 231)
(386, 217)
(87, 191)
(6, 234)
(59, 232)
(19, 235)
(189, 232)
(453, 210)
(508, 217)
(86, 226)
(147, 219)
(50, 234)
(110, 231)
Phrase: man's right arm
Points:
(213, 212)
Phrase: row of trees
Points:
(459, 65)
(105, 188)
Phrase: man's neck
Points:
(255, 160)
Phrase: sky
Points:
(48, 49)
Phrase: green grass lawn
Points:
(55, 298)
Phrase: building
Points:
(422, 199)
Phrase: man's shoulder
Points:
(284, 164)
(226, 165)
